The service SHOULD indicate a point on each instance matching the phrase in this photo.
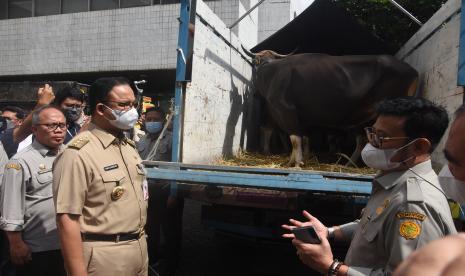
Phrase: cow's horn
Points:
(283, 56)
(247, 52)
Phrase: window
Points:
(46, 7)
(96, 5)
(170, 1)
(70, 6)
(134, 3)
(3, 9)
(19, 8)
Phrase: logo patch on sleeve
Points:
(410, 230)
(411, 215)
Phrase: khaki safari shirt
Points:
(26, 201)
(100, 177)
(406, 211)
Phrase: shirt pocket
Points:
(42, 185)
(113, 179)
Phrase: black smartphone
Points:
(306, 234)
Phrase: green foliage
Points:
(386, 21)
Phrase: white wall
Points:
(433, 51)
(272, 16)
(298, 6)
(112, 40)
(215, 98)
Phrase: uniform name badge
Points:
(145, 189)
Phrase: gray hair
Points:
(36, 113)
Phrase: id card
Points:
(145, 189)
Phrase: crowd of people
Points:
(74, 194)
(75, 200)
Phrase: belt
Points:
(112, 238)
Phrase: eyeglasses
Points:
(376, 140)
(76, 106)
(54, 126)
(125, 105)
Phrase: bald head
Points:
(455, 146)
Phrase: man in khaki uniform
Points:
(100, 190)
(407, 208)
(26, 202)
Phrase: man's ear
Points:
(100, 109)
(422, 146)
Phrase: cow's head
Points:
(265, 56)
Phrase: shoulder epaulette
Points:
(414, 192)
(78, 143)
(131, 142)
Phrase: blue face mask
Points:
(153, 127)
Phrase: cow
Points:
(304, 92)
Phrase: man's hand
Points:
(440, 257)
(320, 228)
(20, 253)
(45, 95)
(317, 256)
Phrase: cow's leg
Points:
(296, 156)
(358, 149)
(306, 143)
(267, 132)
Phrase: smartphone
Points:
(306, 234)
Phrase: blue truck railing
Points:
(275, 179)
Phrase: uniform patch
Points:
(381, 208)
(411, 215)
(13, 166)
(111, 167)
(79, 143)
(409, 230)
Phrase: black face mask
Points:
(72, 114)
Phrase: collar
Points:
(44, 150)
(390, 180)
(103, 136)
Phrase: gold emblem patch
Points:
(13, 166)
(42, 167)
(409, 229)
(411, 215)
(117, 193)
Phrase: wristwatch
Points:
(334, 268)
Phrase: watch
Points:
(334, 268)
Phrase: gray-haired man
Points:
(26, 201)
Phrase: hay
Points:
(246, 159)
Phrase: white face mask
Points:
(381, 158)
(124, 119)
(453, 188)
